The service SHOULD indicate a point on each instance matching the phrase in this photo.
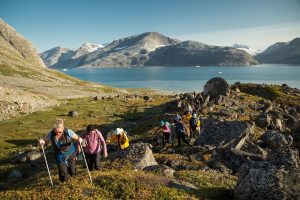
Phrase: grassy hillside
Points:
(117, 180)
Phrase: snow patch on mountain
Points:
(246, 48)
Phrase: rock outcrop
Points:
(263, 181)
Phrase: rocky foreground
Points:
(249, 142)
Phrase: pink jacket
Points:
(166, 129)
(94, 142)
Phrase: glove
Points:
(42, 141)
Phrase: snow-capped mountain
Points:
(86, 48)
(59, 56)
(246, 48)
(155, 49)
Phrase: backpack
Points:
(67, 142)
(97, 135)
(180, 127)
(194, 122)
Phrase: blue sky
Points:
(69, 23)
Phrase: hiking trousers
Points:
(166, 138)
(181, 136)
(64, 170)
(93, 160)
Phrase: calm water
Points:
(184, 79)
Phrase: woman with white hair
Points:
(65, 150)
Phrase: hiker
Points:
(65, 148)
(186, 120)
(119, 137)
(166, 128)
(93, 143)
(194, 126)
(180, 129)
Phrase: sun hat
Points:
(118, 131)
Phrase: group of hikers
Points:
(186, 126)
(67, 145)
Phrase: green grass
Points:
(116, 180)
(107, 114)
(212, 185)
(270, 92)
(17, 71)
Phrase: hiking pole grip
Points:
(47, 165)
(86, 163)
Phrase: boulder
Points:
(284, 157)
(224, 134)
(263, 120)
(139, 154)
(275, 139)
(263, 181)
(216, 86)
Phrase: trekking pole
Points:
(47, 165)
(86, 163)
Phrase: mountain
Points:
(27, 85)
(246, 48)
(59, 56)
(281, 53)
(15, 49)
(191, 53)
(153, 48)
(55, 55)
(122, 52)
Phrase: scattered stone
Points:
(263, 120)
(73, 114)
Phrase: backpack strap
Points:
(65, 137)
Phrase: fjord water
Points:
(187, 79)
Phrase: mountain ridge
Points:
(139, 50)
(281, 53)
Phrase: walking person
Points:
(195, 126)
(118, 137)
(93, 144)
(180, 129)
(65, 148)
(166, 129)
